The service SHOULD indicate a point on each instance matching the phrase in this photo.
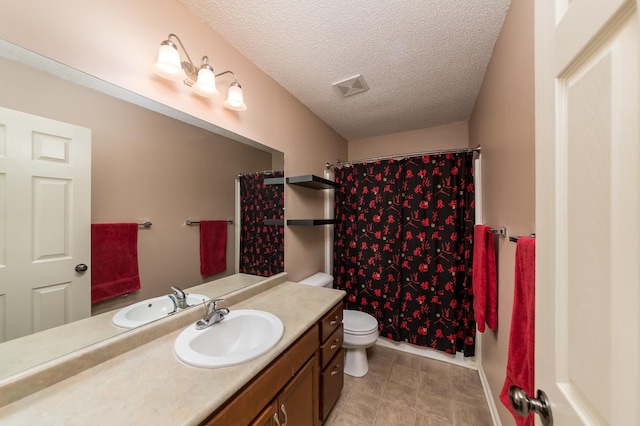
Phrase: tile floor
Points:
(410, 390)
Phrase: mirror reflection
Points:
(144, 167)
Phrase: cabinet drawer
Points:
(330, 322)
(331, 382)
(331, 346)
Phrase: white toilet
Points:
(360, 331)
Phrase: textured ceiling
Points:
(423, 60)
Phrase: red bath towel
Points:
(114, 260)
(520, 362)
(485, 284)
(213, 246)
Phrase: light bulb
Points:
(168, 64)
(235, 99)
(206, 84)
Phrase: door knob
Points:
(523, 404)
(81, 267)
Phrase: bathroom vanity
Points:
(291, 390)
(297, 381)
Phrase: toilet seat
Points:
(359, 323)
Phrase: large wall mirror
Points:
(148, 163)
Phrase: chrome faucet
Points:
(179, 298)
(212, 314)
(174, 299)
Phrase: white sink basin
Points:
(241, 336)
(150, 310)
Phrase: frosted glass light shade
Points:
(235, 99)
(168, 64)
(206, 84)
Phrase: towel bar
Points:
(197, 222)
(145, 224)
(514, 239)
(501, 231)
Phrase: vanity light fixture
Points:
(202, 80)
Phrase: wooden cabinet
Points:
(331, 360)
(332, 381)
(298, 401)
(249, 402)
(330, 347)
(296, 404)
(330, 322)
(297, 389)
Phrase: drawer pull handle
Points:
(336, 344)
(335, 370)
(285, 415)
(276, 419)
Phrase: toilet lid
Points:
(356, 322)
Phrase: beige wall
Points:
(118, 40)
(448, 136)
(503, 123)
(145, 166)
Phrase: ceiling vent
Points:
(351, 86)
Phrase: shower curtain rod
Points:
(266, 172)
(411, 154)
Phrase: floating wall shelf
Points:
(312, 181)
(311, 222)
(274, 181)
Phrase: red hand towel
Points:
(114, 260)
(492, 285)
(479, 275)
(520, 362)
(485, 287)
(213, 246)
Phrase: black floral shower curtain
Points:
(261, 246)
(403, 247)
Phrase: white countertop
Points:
(148, 385)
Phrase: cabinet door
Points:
(298, 401)
(332, 381)
(268, 417)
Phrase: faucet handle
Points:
(212, 314)
(178, 292)
(214, 303)
(211, 305)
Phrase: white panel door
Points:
(45, 215)
(588, 210)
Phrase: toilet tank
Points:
(319, 279)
